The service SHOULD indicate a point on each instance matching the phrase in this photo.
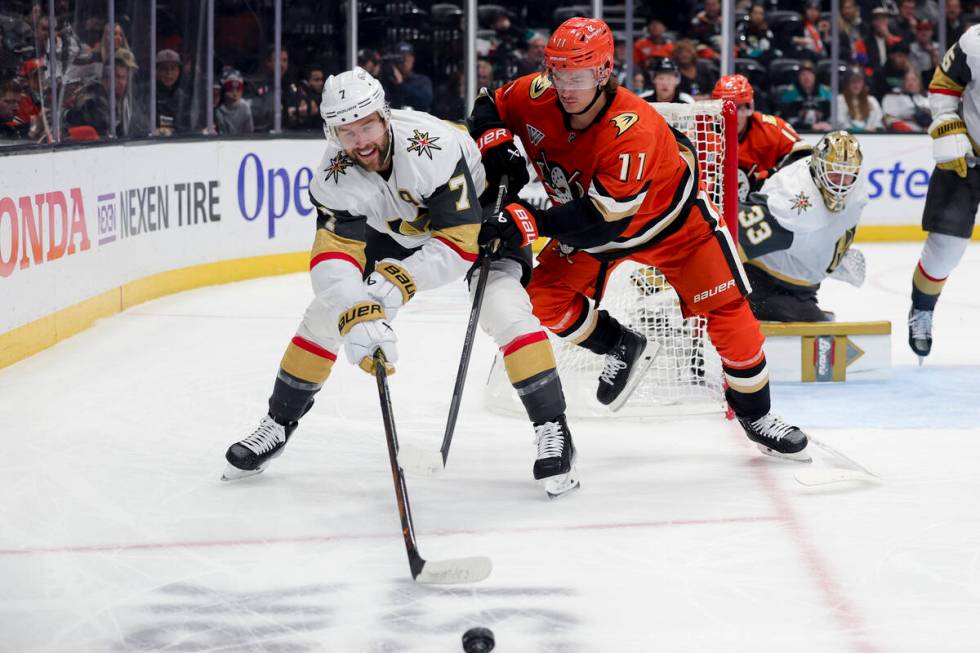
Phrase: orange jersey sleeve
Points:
(766, 142)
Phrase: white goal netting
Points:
(686, 377)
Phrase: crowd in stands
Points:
(888, 51)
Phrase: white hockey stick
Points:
(848, 470)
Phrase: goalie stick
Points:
(421, 461)
(441, 572)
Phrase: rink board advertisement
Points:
(78, 224)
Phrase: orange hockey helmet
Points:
(733, 87)
(581, 43)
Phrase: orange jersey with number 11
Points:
(628, 162)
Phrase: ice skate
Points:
(623, 368)
(251, 456)
(775, 437)
(920, 333)
(555, 464)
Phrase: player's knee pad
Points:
(506, 312)
(941, 254)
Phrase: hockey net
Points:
(686, 377)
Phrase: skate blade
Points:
(561, 484)
(643, 363)
(232, 473)
(800, 456)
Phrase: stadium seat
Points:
(755, 72)
(824, 68)
(446, 13)
(560, 15)
(783, 71)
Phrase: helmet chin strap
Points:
(595, 98)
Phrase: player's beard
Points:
(377, 159)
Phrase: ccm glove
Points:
(391, 285)
(365, 331)
(514, 226)
(950, 145)
(501, 157)
(851, 268)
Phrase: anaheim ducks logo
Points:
(422, 143)
(539, 85)
(338, 166)
(624, 121)
(560, 186)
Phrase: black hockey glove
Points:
(501, 157)
(514, 226)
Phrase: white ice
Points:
(116, 534)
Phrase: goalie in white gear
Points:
(798, 229)
(397, 196)
(954, 188)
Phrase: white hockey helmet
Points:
(837, 152)
(350, 96)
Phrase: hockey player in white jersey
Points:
(798, 229)
(954, 188)
(397, 196)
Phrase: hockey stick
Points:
(850, 470)
(443, 572)
(427, 462)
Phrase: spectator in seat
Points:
(851, 32)
(233, 115)
(121, 41)
(880, 38)
(312, 86)
(666, 79)
(697, 77)
(10, 129)
(810, 42)
(893, 73)
(42, 42)
(924, 52)
(130, 116)
(263, 104)
(755, 39)
(31, 103)
(654, 45)
(955, 24)
(404, 87)
(907, 109)
(806, 103)
(906, 22)
(706, 24)
(173, 102)
(533, 59)
(857, 109)
(370, 61)
(484, 75)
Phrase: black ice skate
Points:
(920, 333)
(251, 456)
(555, 464)
(776, 438)
(623, 368)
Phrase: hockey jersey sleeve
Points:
(454, 220)
(337, 259)
(951, 77)
(759, 232)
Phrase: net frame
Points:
(686, 377)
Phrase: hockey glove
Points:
(501, 157)
(365, 331)
(514, 226)
(851, 268)
(951, 145)
(391, 285)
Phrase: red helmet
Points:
(581, 43)
(733, 87)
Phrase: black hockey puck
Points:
(478, 640)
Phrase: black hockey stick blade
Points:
(428, 463)
(438, 572)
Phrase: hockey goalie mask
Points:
(835, 166)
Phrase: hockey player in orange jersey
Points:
(764, 142)
(624, 185)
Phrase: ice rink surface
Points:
(116, 534)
